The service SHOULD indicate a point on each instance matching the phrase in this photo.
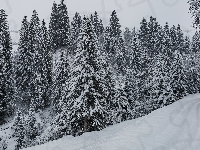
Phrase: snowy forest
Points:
(75, 76)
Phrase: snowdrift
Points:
(174, 127)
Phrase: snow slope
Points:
(175, 127)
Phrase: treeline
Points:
(104, 76)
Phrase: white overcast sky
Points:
(130, 12)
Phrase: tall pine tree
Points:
(87, 95)
(6, 90)
(63, 35)
(53, 27)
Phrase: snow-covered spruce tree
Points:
(175, 54)
(166, 39)
(15, 126)
(59, 89)
(196, 42)
(107, 43)
(116, 49)
(44, 69)
(160, 89)
(196, 70)
(120, 59)
(176, 40)
(22, 71)
(143, 65)
(131, 90)
(115, 26)
(6, 89)
(63, 34)
(98, 26)
(127, 36)
(133, 54)
(191, 73)
(29, 63)
(187, 45)
(36, 53)
(19, 130)
(131, 48)
(31, 128)
(143, 37)
(195, 12)
(180, 40)
(53, 27)
(87, 95)
(153, 28)
(133, 73)
(178, 79)
(122, 105)
(113, 33)
(143, 34)
(75, 28)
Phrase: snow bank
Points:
(174, 127)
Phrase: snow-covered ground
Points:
(175, 127)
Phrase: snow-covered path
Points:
(175, 127)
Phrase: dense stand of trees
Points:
(104, 75)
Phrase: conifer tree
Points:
(19, 130)
(107, 45)
(6, 90)
(61, 82)
(53, 27)
(86, 94)
(144, 33)
(122, 105)
(75, 27)
(192, 74)
(127, 36)
(160, 90)
(196, 42)
(178, 79)
(115, 44)
(23, 72)
(16, 127)
(169, 35)
(34, 61)
(195, 10)
(180, 39)
(44, 65)
(63, 35)
(187, 45)
(115, 26)
(31, 127)
(98, 26)
(153, 28)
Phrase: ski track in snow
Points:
(174, 127)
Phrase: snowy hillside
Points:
(175, 127)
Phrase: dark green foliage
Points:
(196, 42)
(115, 26)
(6, 82)
(22, 70)
(53, 27)
(87, 96)
(97, 24)
(44, 69)
(75, 29)
(101, 77)
(63, 32)
(59, 87)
